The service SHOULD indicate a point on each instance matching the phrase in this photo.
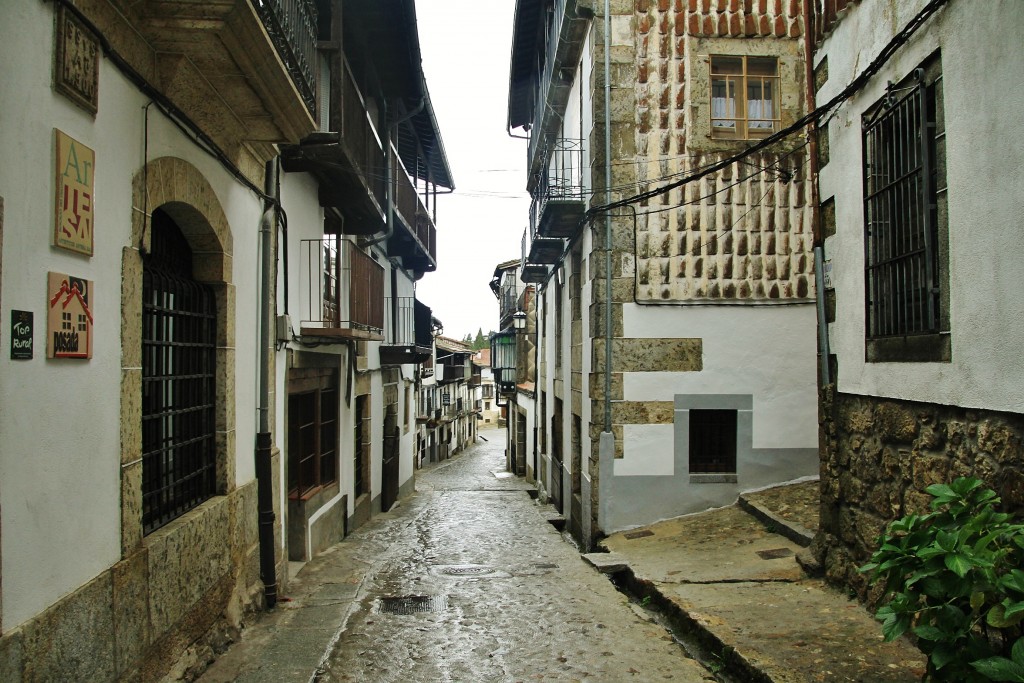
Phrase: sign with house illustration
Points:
(73, 229)
(69, 317)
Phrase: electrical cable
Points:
(851, 89)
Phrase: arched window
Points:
(179, 453)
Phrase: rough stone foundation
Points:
(878, 456)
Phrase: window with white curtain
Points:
(744, 96)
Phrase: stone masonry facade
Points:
(742, 234)
(879, 455)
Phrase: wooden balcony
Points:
(348, 160)
(343, 291)
(408, 337)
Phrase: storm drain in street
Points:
(412, 604)
(638, 534)
(774, 553)
(471, 571)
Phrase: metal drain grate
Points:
(638, 534)
(469, 570)
(774, 553)
(412, 604)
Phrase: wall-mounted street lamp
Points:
(519, 321)
(503, 360)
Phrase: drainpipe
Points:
(607, 219)
(389, 228)
(264, 471)
(817, 238)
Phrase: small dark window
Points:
(712, 441)
(361, 446)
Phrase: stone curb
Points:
(783, 527)
(706, 646)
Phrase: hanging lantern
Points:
(503, 360)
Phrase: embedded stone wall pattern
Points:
(743, 233)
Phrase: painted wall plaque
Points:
(21, 335)
(76, 179)
(76, 64)
(69, 320)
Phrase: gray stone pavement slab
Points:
(735, 586)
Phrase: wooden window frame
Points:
(743, 81)
(321, 384)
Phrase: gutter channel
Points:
(698, 643)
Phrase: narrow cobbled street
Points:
(478, 587)
(465, 581)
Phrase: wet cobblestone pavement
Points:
(464, 581)
(495, 594)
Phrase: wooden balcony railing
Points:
(359, 135)
(344, 290)
(411, 209)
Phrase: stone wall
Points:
(187, 589)
(878, 456)
(744, 232)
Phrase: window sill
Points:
(924, 348)
(713, 478)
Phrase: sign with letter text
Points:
(74, 205)
(69, 318)
(21, 335)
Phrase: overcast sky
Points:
(466, 46)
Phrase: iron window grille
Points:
(712, 441)
(179, 453)
(901, 179)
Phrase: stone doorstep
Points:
(783, 527)
(607, 563)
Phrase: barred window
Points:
(178, 380)
(904, 206)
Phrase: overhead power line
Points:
(854, 86)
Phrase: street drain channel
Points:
(412, 604)
(721, 660)
(774, 553)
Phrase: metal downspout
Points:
(817, 238)
(264, 470)
(607, 220)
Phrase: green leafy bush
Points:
(955, 579)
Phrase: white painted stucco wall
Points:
(766, 351)
(60, 458)
(982, 65)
